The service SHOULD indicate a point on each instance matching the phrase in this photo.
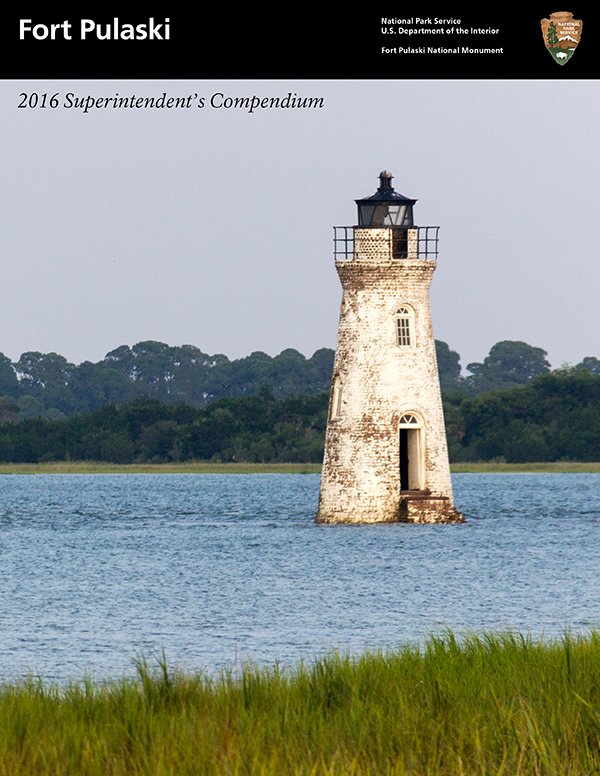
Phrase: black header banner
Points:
(381, 41)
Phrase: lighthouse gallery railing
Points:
(427, 242)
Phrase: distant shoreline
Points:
(192, 467)
(556, 467)
(204, 467)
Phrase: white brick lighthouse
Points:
(386, 457)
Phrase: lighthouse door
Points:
(411, 469)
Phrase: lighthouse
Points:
(386, 457)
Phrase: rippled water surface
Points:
(97, 570)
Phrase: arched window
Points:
(410, 420)
(336, 399)
(405, 329)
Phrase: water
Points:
(96, 570)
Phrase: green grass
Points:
(204, 467)
(193, 467)
(561, 467)
(493, 704)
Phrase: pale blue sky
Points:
(214, 227)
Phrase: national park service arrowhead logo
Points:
(561, 33)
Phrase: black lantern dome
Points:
(386, 207)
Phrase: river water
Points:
(98, 570)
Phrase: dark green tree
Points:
(554, 417)
(508, 364)
(9, 383)
(289, 373)
(323, 359)
(590, 364)
(46, 377)
(29, 407)
(94, 385)
(165, 372)
(448, 362)
(552, 37)
(9, 411)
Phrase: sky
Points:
(213, 226)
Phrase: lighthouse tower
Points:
(386, 458)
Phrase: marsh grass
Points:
(189, 467)
(556, 467)
(491, 704)
(206, 467)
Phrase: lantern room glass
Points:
(385, 214)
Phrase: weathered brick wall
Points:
(380, 383)
(375, 245)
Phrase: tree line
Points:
(156, 403)
(47, 384)
(258, 428)
(554, 416)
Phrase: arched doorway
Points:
(411, 452)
